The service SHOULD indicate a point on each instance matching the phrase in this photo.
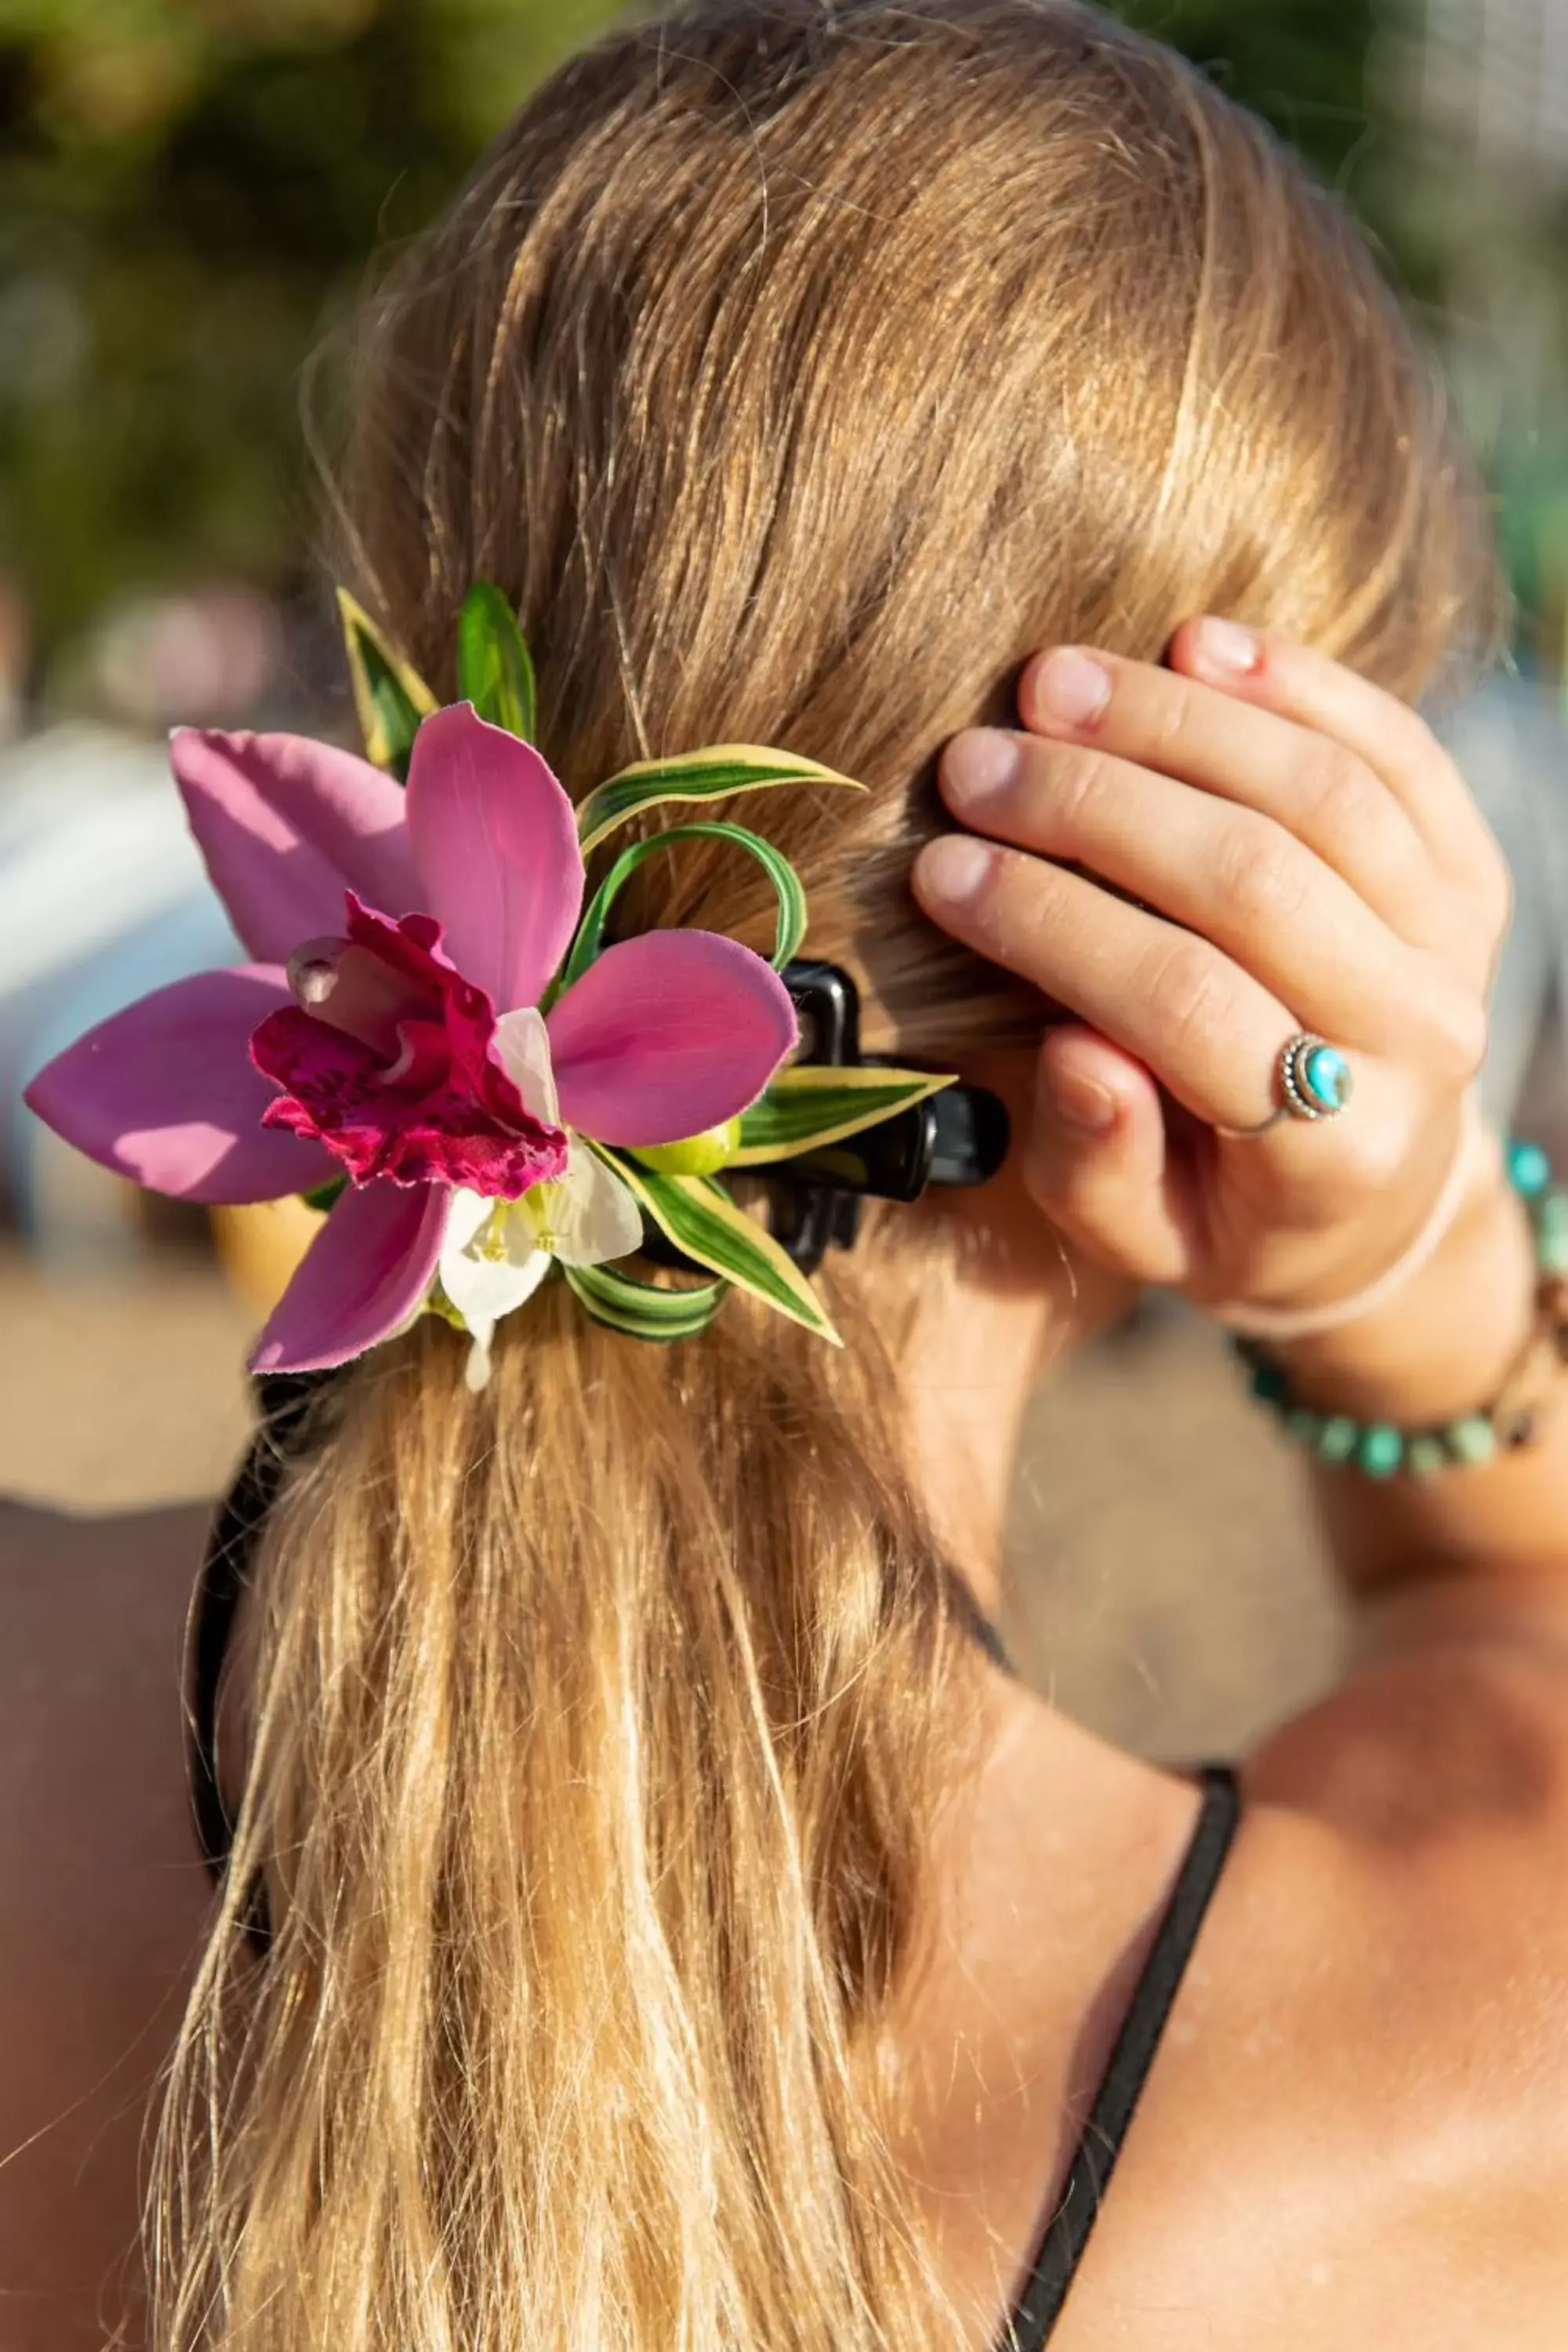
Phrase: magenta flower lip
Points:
(423, 1100)
(462, 897)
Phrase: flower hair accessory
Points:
(435, 1044)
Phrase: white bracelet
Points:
(1476, 1144)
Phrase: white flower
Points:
(497, 1253)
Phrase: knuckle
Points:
(1011, 921)
(1261, 875)
(1186, 979)
(1340, 792)
(1165, 727)
(1458, 1025)
(1075, 784)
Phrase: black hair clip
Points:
(958, 1136)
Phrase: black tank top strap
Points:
(1061, 2246)
(220, 1588)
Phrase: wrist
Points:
(1443, 1343)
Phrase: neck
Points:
(971, 1370)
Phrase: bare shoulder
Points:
(1441, 1761)
(101, 1896)
(1357, 2131)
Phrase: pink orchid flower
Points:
(389, 1029)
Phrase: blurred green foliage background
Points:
(190, 190)
(187, 188)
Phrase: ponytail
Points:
(597, 1724)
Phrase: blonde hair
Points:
(798, 368)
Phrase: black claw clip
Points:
(958, 1136)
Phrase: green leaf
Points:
(700, 1218)
(812, 1104)
(791, 927)
(324, 1195)
(495, 668)
(390, 698)
(641, 1309)
(708, 775)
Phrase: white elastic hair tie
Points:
(1303, 1322)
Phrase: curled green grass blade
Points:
(707, 775)
(791, 926)
(390, 698)
(495, 668)
(810, 1105)
(640, 1309)
(700, 1218)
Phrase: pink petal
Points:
(666, 1035)
(166, 1093)
(286, 825)
(363, 1275)
(495, 840)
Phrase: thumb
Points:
(1095, 1157)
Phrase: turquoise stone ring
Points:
(1314, 1077)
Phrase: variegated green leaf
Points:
(701, 1219)
(812, 1104)
(791, 928)
(708, 775)
(495, 668)
(390, 698)
(641, 1309)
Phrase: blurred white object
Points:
(93, 841)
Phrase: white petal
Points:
(498, 1267)
(468, 1211)
(593, 1217)
(522, 1045)
(484, 1288)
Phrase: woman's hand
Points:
(1194, 862)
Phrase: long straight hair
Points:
(798, 366)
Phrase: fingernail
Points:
(954, 868)
(1072, 688)
(1225, 649)
(978, 764)
(1081, 1102)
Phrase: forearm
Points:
(1442, 1348)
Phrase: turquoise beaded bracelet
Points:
(1377, 1448)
